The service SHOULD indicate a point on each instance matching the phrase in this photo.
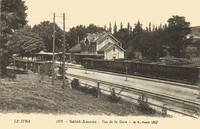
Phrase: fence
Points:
(118, 94)
(34, 66)
(145, 100)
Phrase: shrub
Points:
(75, 84)
(46, 69)
(93, 91)
(144, 106)
(11, 73)
(113, 97)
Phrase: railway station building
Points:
(100, 46)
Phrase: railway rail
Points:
(180, 84)
(156, 100)
(32, 65)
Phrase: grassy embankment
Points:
(26, 94)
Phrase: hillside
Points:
(26, 94)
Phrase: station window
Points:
(113, 49)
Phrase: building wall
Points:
(91, 48)
(107, 40)
(118, 54)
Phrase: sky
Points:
(101, 12)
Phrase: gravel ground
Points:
(26, 94)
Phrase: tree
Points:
(121, 25)
(124, 37)
(177, 35)
(81, 32)
(110, 28)
(25, 42)
(131, 30)
(128, 27)
(13, 13)
(105, 27)
(149, 27)
(154, 42)
(74, 33)
(115, 28)
(135, 40)
(94, 29)
(196, 43)
(153, 28)
(137, 37)
(13, 17)
(45, 30)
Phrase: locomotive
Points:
(186, 74)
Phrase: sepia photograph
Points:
(99, 64)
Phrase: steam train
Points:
(186, 74)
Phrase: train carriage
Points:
(166, 72)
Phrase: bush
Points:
(46, 69)
(113, 97)
(75, 84)
(60, 73)
(11, 74)
(144, 106)
(93, 91)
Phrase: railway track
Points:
(180, 84)
(173, 104)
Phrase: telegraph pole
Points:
(64, 50)
(198, 82)
(126, 73)
(53, 65)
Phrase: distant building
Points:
(102, 45)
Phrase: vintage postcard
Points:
(99, 64)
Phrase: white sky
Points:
(101, 12)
